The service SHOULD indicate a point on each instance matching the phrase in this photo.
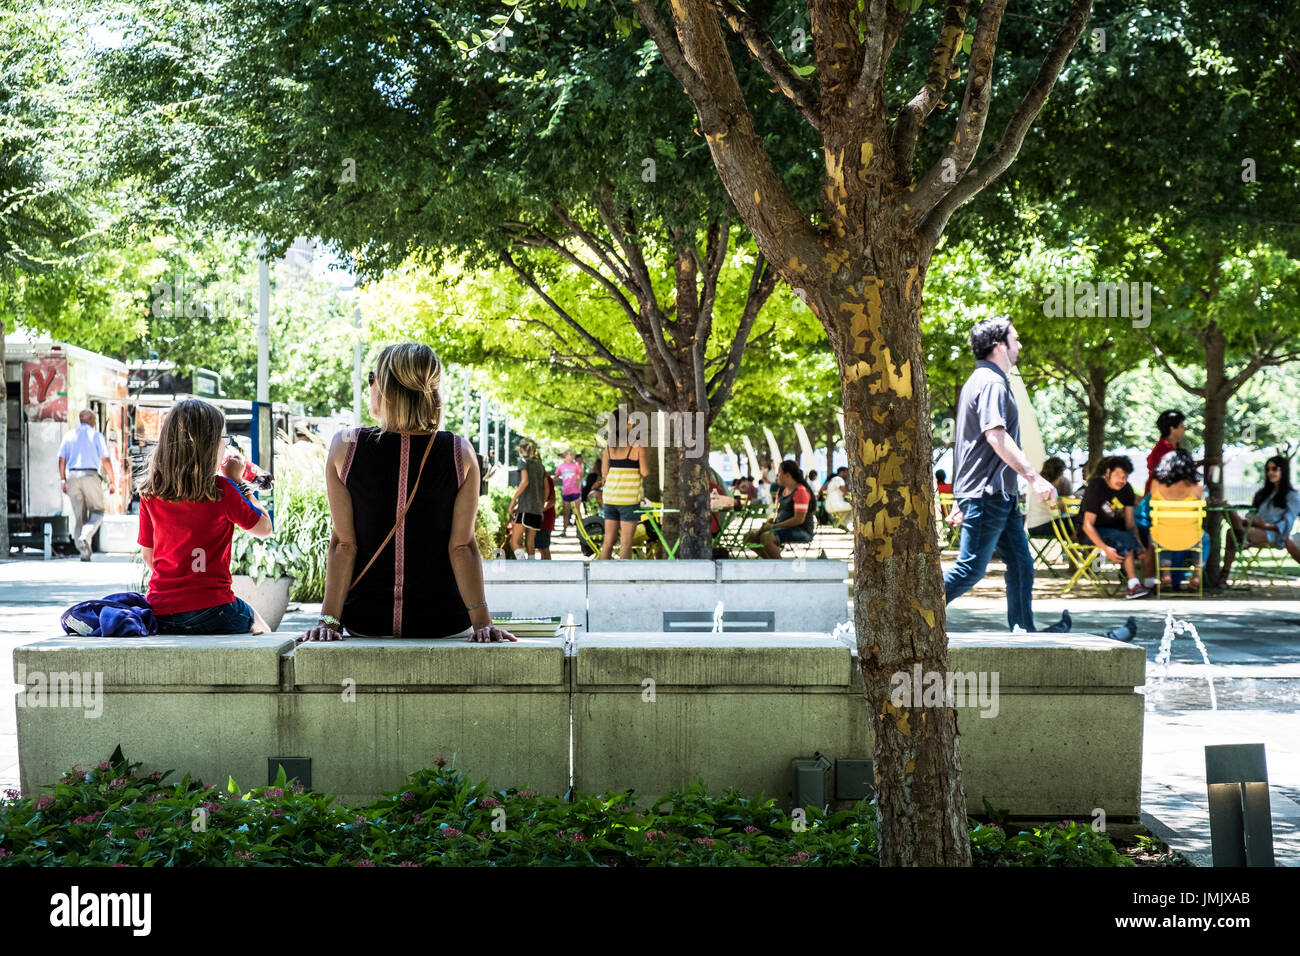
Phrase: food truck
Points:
(48, 385)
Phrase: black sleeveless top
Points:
(411, 590)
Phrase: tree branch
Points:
(907, 128)
(591, 340)
(937, 215)
(1168, 367)
(773, 62)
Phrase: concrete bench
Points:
(1063, 736)
(650, 711)
(632, 595)
(367, 712)
(207, 706)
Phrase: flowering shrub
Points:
(112, 816)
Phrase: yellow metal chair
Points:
(1083, 556)
(1177, 526)
(949, 535)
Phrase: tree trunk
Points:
(1096, 417)
(830, 447)
(1216, 412)
(899, 606)
(693, 490)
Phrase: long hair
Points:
(184, 465)
(1283, 483)
(791, 468)
(408, 376)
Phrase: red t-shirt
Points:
(802, 500)
(191, 548)
(548, 513)
(1162, 448)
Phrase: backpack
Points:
(126, 614)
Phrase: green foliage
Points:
(112, 814)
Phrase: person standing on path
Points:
(986, 460)
(569, 474)
(83, 453)
(530, 498)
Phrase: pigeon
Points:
(1126, 632)
(1062, 626)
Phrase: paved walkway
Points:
(1253, 646)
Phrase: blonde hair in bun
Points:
(408, 376)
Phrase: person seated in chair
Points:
(1175, 478)
(1276, 507)
(838, 507)
(1107, 513)
(794, 516)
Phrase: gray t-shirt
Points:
(533, 499)
(985, 402)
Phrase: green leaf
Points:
(230, 786)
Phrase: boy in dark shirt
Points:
(1107, 518)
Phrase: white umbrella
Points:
(1031, 443)
(804, 444)
(773, 450)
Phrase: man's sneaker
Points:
(83, 546)
(1137, 591)
(521, 554)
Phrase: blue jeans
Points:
(1184, 559)
(233, 618)
(993, 522)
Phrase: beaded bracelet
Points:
(478, 605)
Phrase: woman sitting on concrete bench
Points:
(421, 576)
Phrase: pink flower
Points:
(623, 808)
(417, 818)
(155, 776)
(4, 853)
(527, 793)
(489, 802)
(365, 863)
(482, 836)
(359, 821)
(117, 784)
(407, 863)
(274, 792)
(142, 833)
(703, 841)
(103, 765)
(440, 760)
(153, 798)
(243, 854)
(89, 819)
(211, 807)
(742, 849)
(651, 834)
(298, 788)
(751, 829)
(278, 812)
(580, 838)
(44, 802)
(407, 796)
(11, 794)
(800, 857)
(451, 832)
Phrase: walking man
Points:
(83, 453)
(986, 460)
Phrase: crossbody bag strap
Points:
(400, 517)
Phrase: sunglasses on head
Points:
(372, 378)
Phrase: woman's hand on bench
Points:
(490, 634)
(320, 633)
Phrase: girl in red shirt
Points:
(188, 514)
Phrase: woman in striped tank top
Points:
(622, 470)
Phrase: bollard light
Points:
(1241, 825)
(295, 768)
(811, 778)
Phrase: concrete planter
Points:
(269, 597)
(118, 533)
